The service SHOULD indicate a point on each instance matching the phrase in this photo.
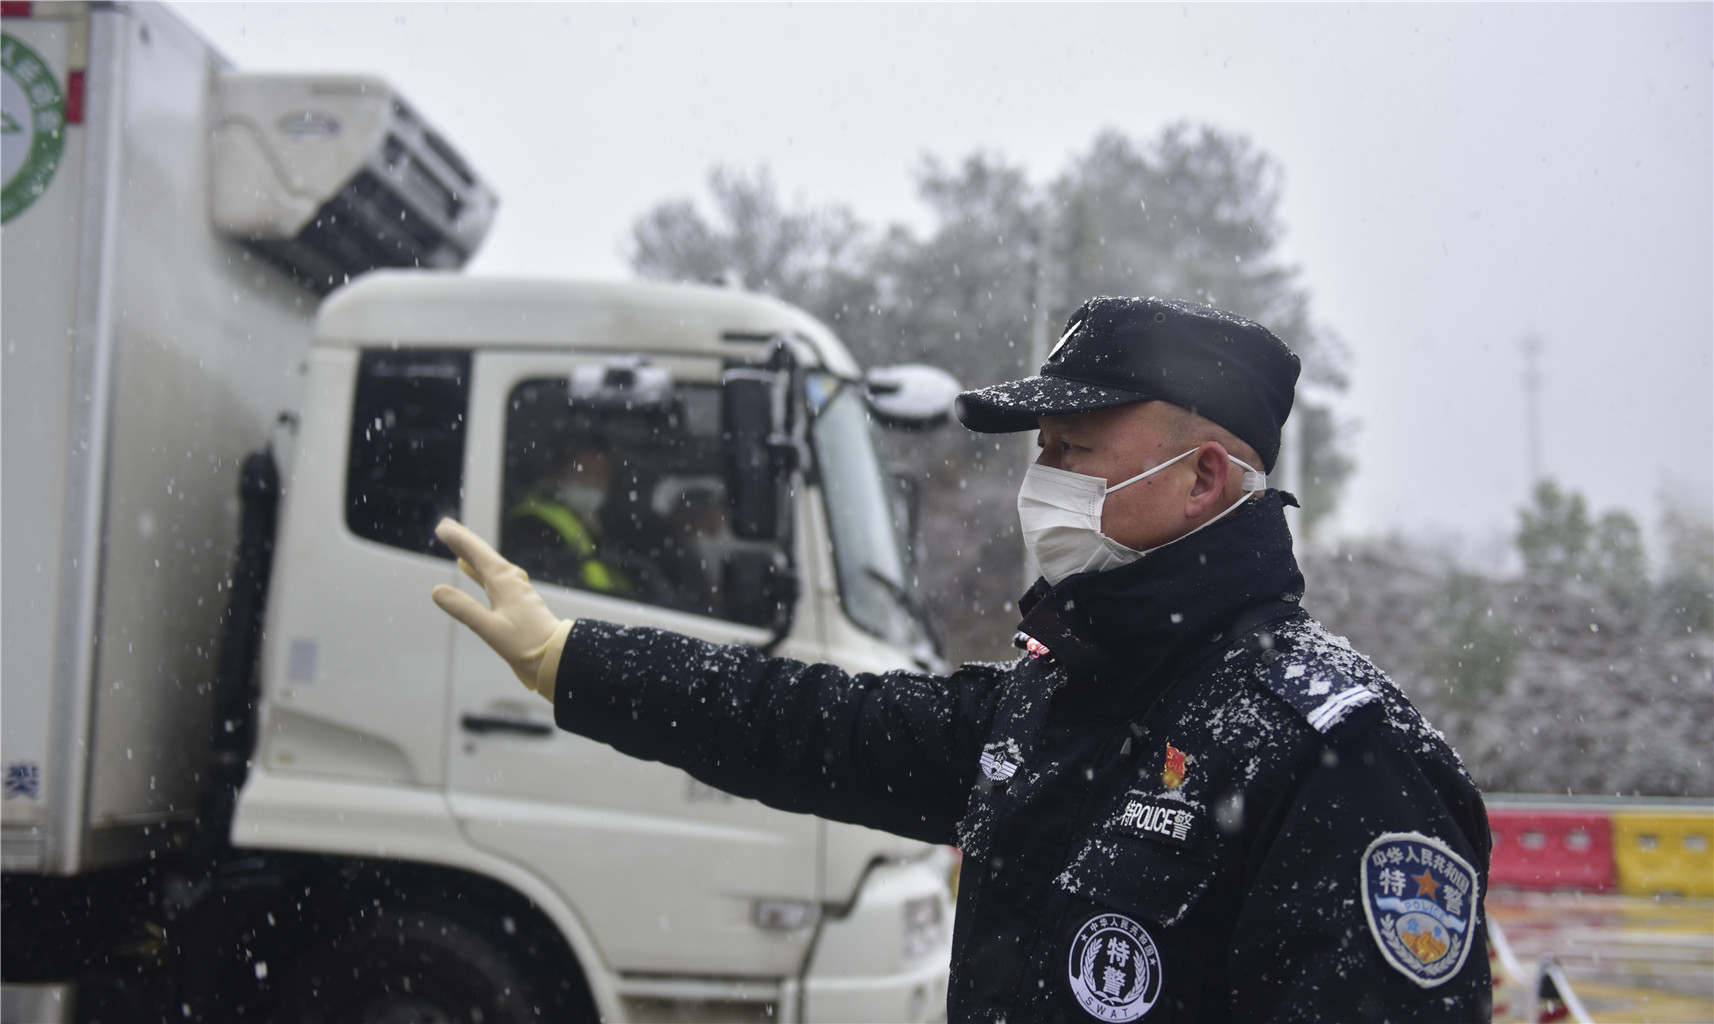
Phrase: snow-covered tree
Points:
(1568, 678)
(1191, 214)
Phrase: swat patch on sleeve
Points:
(1421, 900)
(1319, 692)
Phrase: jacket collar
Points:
(1122, 634)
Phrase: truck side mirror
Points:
(761, 588)
(760, 456)
(911, 396)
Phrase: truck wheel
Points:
(413, 966)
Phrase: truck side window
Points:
(407, 446)
(632, 505)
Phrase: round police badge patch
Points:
(1115, 968)
(1421, 901)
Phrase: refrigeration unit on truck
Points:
(251, 771)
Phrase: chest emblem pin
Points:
(999, 761)
(1172, 774)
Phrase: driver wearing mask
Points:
(1185, 801)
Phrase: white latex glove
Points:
(518, 626)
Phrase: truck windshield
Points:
(875, 582)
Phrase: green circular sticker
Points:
(32, 126)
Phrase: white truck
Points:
(251, 772)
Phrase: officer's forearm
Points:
(798, 737)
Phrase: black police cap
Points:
(1117, 351)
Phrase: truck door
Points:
(617, 511)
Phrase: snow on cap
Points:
(1117, 351)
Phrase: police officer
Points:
(1185, 801)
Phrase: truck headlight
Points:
(925, 926)
(783, 915)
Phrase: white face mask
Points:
(1060, 513)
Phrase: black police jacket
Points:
(1187, 802)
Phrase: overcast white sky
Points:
(1457, 176)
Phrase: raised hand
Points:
(517, 623)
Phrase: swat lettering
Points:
(1168, 822)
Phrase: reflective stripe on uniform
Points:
(560, 519)
(596, 574)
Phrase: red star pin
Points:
(1425, 884)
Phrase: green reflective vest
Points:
(595, 574)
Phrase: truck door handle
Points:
(484, 724)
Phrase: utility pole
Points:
(1532, 347)
(1039, 328)
(1040, 331)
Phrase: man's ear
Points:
(1212, 467)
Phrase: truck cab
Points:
(596, 432)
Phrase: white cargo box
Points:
(145, 353)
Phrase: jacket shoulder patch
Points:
(1421, 900)
(1316, 687)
